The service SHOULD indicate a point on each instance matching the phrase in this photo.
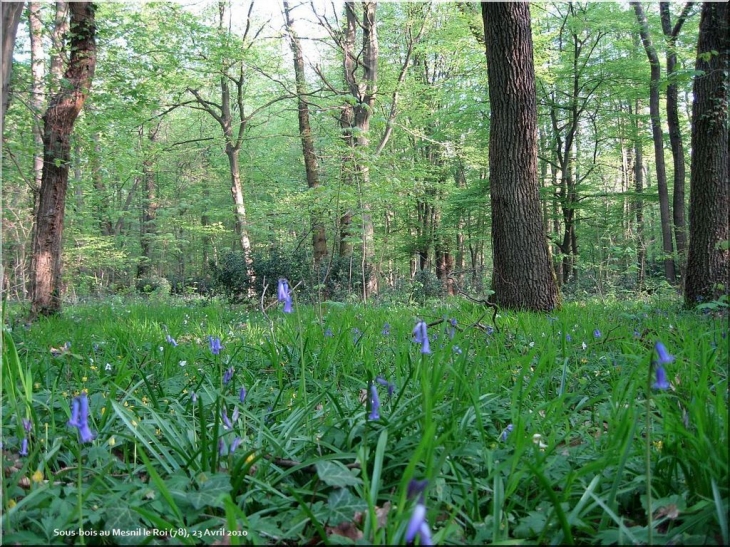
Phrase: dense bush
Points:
(426, 285)
(153, 285)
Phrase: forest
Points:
(315, 272)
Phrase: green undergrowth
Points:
(539, 429)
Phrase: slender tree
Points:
(11, 12)
(658, 137)
(708, 263)
(523, 277)
(58, 121)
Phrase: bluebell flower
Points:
(664, 357)
(288, 305)
(596, 333)
(80, 417)
(490, 330)
(170, 340)
(420, 336)
(226, 421)
(215, 345)
(228, 375)
(328, 333)
(506, 432)
(282, 291)
(386, 330)
(356, 335)
(661, 378)
(221, 446)
(235, 444)
(235, 415)
(374, 403)
(568, 338)
(242, 394)
(417, 525)
(27, 425)
(637, 334)
(451, 328)
(456, 350)
(23, 447)
(194, 397)
(383, 382)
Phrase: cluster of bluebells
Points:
(386, 330)
(215, 345)
(170, 340)
(383, 382)
(283, 294)
(664, 359)
(417, 525)
(222, 446)
(27, 426)
(506, 432)
(420, 336)
(80, 417)
(228, 375)
(451, 328)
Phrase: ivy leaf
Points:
(343, 505)
(336, 474)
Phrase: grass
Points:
(590, 446)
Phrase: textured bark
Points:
(523, 277)
(11, 12)
(58, 121)
(708, 262)
(319, 236)
(639, 205)
(658, 138)
(38, 96)
(675, 133)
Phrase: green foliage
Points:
(426, 285)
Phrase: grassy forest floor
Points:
(210, 423)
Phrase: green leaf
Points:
(343, 505)
(336, 474)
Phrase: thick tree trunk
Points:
(675, 133)
(11, 12)
(523, 277)
(708, 264)
(658, 137)
(58, 124)
(319, 236)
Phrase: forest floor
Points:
(197, 422)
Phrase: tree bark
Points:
(38, 96)
(675, 133)
(319, 236)
(148, 223)
(58, 121)
(658, 137)
(523, 277)
(708, 262)
(11, 12)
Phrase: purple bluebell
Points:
(235, 444)
(288, 305)
(328, 333)
(451, 328)
(661, 378)
(228, 375)
(568, 338)
(506, 432)
(80, 417)
(221, 447)
(490, 330)
(420, 336)
(386, 330)
(235, 415)
(664, 357)
(282, 290)
(596, 333)
(383, 382)
(194, 397)
(23, 447)
(226, 421)
(170, 340)
(456, 350)
(242, 394)
(215, 345)
(374, 403)
(417, 525)
(27, 425)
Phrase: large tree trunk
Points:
(319, 236)
(523, 277)
(58, 124)
(708, 263)
(658, 137)
(675, 133)
(11, 12)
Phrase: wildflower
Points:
(170, 340)
(374, 403)
(596, 333)
(568, 338)
(215, 345)
(242, 394)
(228, 375)
(221, 447)
(584, 345)
(235, 415)
(537, 439)
(457, 350)
(235, 444)
(664, 357)
(80, 417)
(490, 330)
(27, 425)
(420, 336)
(193, 397)
(661, 378)
(417, 525)
(108, 366)
(226, 421)
(112, 441)
(356, 335)
(23, 447)
(182, 363)
(287, 305)
(37, 476)
(451, 328)
(386, 330)
(282, 291)
(383, 382)
(506, 432)
(328, 333)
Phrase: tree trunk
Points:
(523, 277)
(319, 236)
(658, 137)
(38, 96)
(148, 224)
(11, 12)
(708, 263)
(58, 124)
(639, 204)
(675, 133)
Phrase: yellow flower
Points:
(658, 445)
(11, 504)
(251, 457)
(112, 441)
(37, 385)
(84, 378)
(37, 476)
(103, 410)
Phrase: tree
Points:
(523, 277)
(708, 262)
(658, 137)
(11, 12)
(58, 120)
